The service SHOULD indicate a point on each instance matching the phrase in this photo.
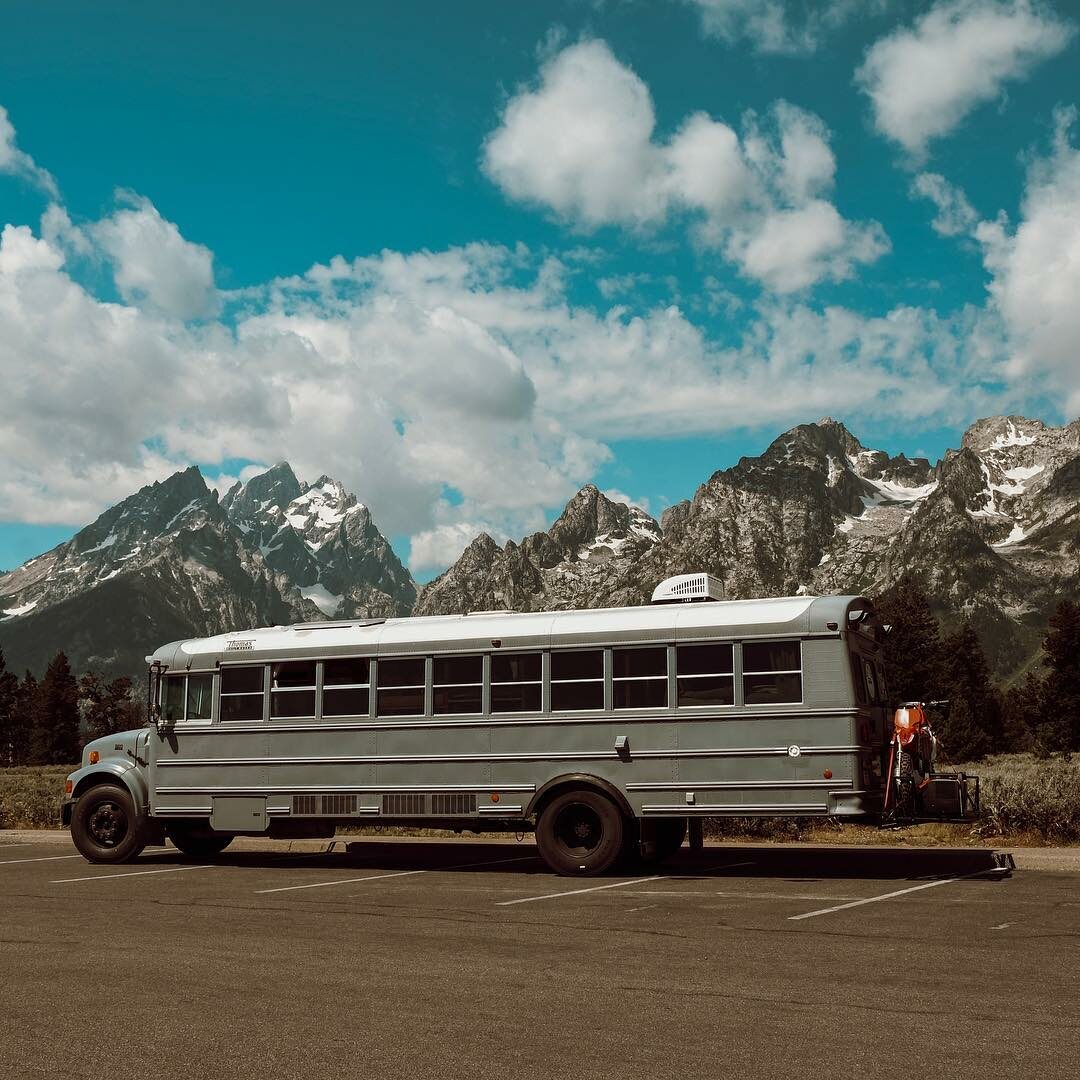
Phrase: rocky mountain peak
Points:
(277, 487)
(591, 521)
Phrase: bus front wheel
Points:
(580, 833)
(105, 825)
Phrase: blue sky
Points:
(624, 242)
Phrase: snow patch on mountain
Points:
(326, 601)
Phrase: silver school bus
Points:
(601, 730)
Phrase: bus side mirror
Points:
(153, 703)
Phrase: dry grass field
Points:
(1024, 799)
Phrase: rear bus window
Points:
(401, 687)
(772, 672)
(705, 674)
(577, 680)
(639, 678)
(242, 693)
(346, 686)
(458, 685)
(515, 682)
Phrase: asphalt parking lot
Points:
(452, 958)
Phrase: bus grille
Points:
(441, 804)
(454, 802)
(325, 805)
(403, 804)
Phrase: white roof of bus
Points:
(397, 635)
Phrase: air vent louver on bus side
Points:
(325, 805)
(402, 805)
(454, 802)
(441, 804)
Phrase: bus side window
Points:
(515, 682)
(242, 692)
(639, 678)
(705, 674)
(401, 686)
(457, 685)
(772, 672)
(577, 680)
(346, 686)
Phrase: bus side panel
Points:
(550, 750)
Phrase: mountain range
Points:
(992, 532)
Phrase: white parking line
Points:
(43, 858)
(130, 873)
(340, 881)
(620, 884)
(898, 892)
(578, 892)
(398, 873)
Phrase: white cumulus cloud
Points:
(582, 143)
(17, 162)
(153, 264)
(955, 215)
(1035, 271)
(780, 26)
(924, 79)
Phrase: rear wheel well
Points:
(576, 782)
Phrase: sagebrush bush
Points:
(30, 797)
(1023, 795)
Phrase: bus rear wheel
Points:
(105, 825)
(580, 833)
(198, 841)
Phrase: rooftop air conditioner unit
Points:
(687, 587)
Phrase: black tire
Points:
(670, 834)
(580, 833)
(105, 825)
(905, 786)
(198, 841)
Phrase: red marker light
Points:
(495, 797)
(827, 774)
(68, 786)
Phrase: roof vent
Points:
(687, 587)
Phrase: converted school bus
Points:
(602, 730)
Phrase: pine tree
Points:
(1022, 713)
(975, 729)
(912, 651)
(1061, 700)
(962, 735)
(55, 739)
(107, 707)
(24, 719)
(9, 688)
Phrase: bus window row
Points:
(703, 675)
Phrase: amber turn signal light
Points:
(95, 757)
(495, 797)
